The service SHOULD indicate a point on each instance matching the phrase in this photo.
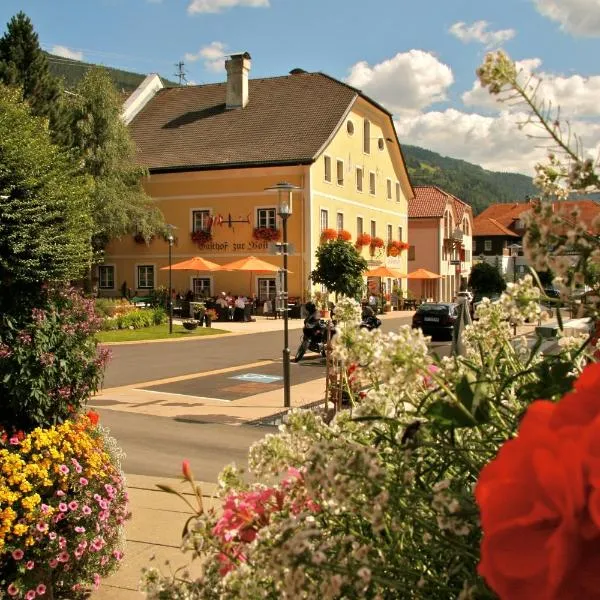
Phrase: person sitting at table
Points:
(222, 301)
(239, 305)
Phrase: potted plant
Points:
(190, 324)
(364, 239)
(327, 235)
(209, 316)
(321, 300)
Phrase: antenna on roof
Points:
(180, 72)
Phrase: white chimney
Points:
(237, 67)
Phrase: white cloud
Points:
(579, 17)
(212, 56)
(215, 6)
(477, 32)
(66, 52)
(495, 143)
(577, 96)
(404, 84)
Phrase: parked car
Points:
(436, 318)
(465, 294)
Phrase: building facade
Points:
(211, 152)
(441, 229)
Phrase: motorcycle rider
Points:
(313, 319)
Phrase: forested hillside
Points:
(467, 181)
(71, 71)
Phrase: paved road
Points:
(156, 446)
(136, 363)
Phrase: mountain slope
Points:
(471, 183)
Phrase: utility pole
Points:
(180, 72)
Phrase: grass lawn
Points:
(156, 332)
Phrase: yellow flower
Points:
(20, 529)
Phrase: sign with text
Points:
(250, 246)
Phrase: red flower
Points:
(328, 234)
(364, 239)
(377, 242)
(187, 470)
(540, 501)
(344, 235)
(93, 416)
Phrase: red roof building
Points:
(440, 228)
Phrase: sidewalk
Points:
(153, 534)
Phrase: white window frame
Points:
(389, 188)
(339, 220)
(194, 278)
(270, 296)
(487, 245)
(373, 228)
(339, 163)
(360, 180)
(114, 276)
(193, 211)
(372, 179)
(323, 212)
(360, 230)
(257, 212)
(327, 163)
(138, 285)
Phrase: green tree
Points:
(486, 279)
(44, 204)
(340, 268)
(24, 65)
(99, 138)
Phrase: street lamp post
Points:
(514, 250)
(284, 210)
(170, 240)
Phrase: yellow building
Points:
(211, 150)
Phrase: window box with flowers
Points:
(201, 236)
(328, 235)
(269, 234)
(377, 242)
(364, 239)
(344, 235)
(395, 247)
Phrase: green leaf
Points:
(449, 414)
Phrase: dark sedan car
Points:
(436, 318)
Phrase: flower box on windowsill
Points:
(201, 237)
(364, 239)
(344, 235)
(328, 235)
(269, 234)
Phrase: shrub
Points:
(63, 504)
(138, 318)
(109, 307)
(49, 361)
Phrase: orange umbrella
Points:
(195, 264)
(423, 274)
(384, 271)
(252, 264)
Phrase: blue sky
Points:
(418, 58)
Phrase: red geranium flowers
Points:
(540, 501)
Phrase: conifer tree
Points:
(23, 64)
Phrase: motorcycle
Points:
(314, 338)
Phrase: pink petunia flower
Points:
(83, 481)
(63, 557)
(63, 507)
(80, 529)
(52, 535)
(53, 563)
(40, 589)
(42, 527)
(64, 469)
(18, 554)
(30, 564)
(30, 595)
(86, 510)
(12, 590)
(73, 505)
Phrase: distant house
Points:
(211, 150)
(498, 232)
(440, 227)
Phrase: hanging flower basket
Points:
(201, 237)
(269, 234)
(364, 239)
(394, 248)
(344, 235)
(327, 235)
(377, 242)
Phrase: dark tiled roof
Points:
(287, 120)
